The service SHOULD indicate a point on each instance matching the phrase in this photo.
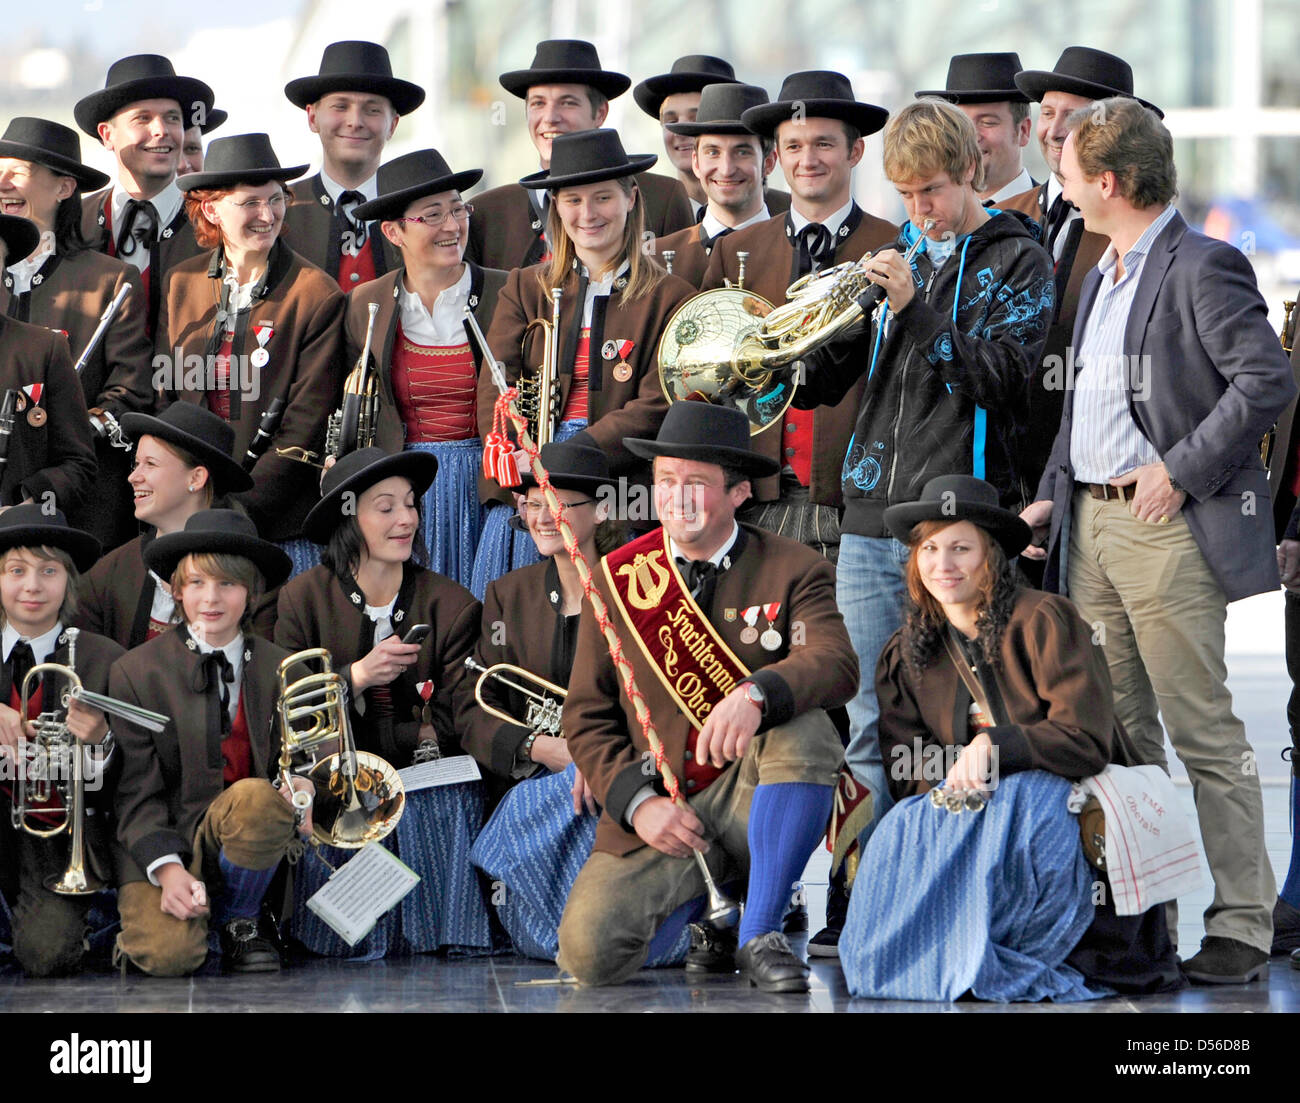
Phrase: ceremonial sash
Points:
(688, 657)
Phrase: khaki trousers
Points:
(1160, 617)
(253, 824)
(618, 903)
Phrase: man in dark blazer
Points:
(565, 91)
(754, 751)
(1156, 498)
(354, 104)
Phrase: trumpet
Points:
(352, 425)
(359, 796)
(732, 347)
(544, 706)
(53, 765)
(538, 393)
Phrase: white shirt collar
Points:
(23, 270)
(370, 189)
(833, 223)
(445, 324)
(1021, 183)
(713, 226)
(167, 203)
(42, 646)
(718, 556)
(234, 652)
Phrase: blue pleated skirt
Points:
(501, 548)
(989, 903)
(451, 516)
(445, 911)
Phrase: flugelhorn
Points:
(545, 703)
(53, 765)
(538, 392)
(352, 425)
(359, 796)
(732, 347)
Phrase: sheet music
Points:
(441, 771)
(360, 891)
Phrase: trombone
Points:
(53, 765)
(545, 705)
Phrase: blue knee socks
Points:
(785, 823)
(1291, 887)
(242, 893)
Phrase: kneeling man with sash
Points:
(738, 648)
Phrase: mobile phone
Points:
(417, 633)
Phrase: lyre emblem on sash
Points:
(648, 581)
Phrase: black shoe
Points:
(771, 965)
(268, 927)
(244, 950)
(796, 919)
(1225, 961)
(825, 943)
(712, 950)
(1286, 927)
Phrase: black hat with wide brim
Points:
(356, 473)
(721, 106)
(218, 532)
(572, 466)
(135, 78)
(980, 78)
(412, 176)
(246, 159)
(588, 157)
(30, 526)
(565, 61)
(1083, 71)
(356, 67)
(954, 498)
(692, 73)
(53, 145)
(206, 436)
(815, 94)
(20, 235)
(707, 433)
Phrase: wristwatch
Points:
(755, 695)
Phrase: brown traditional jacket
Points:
(49, 449)
(304, 368)
(314, 233)
(505, 232)
(117, 594)
(813, 667)
(769, 271)
(176, 243)
(616, 408)
(1046, 400)
(1056, 696)
(690, 251)
(522, 626)
(71, 296)
(170, 777)
(318, 609)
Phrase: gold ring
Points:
(1164, 519)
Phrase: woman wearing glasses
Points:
(252, 331)
(428, 366)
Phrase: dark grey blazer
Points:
(1217, 380)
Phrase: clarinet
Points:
(265, 431)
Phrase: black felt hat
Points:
(53, 145)
(356, 67)
(410, 177)
(815, 94)
(207, 436)
(20, 235)
(565, 61)
(707, 433)
(721, 106)
(692, 73)
(980, 78)
(239, 159)
(135, 78)
(356, 473)
(572, 466)
(1083, 71)
(218, 532)
(956, 498)
(587, 157)
(30, 526)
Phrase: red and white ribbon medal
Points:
(260, 357)
(771, 639)
(749, 634)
